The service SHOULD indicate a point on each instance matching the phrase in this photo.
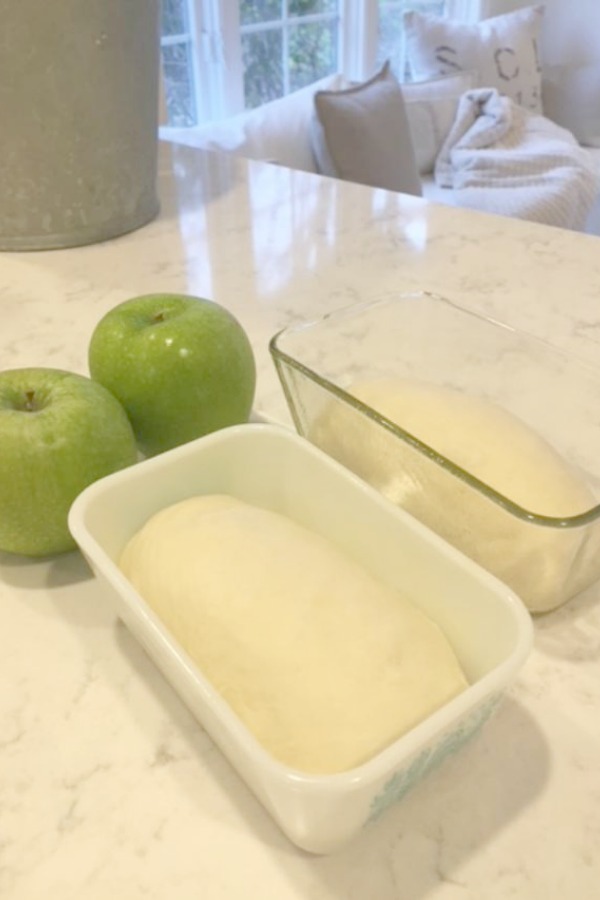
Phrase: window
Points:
(223, 56)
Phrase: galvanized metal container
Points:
(79, 112)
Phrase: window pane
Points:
(390, 43)
(259, 11)
(312, 52)
(263, 69)
(310, 7)
(178, 79)
(174, 17)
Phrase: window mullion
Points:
(232, 68)
(358, 37)
(289, 21)
(199, 60)
(285, 47)
(219, 66)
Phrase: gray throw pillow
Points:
(362, 134)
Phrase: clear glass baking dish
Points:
(548, 548)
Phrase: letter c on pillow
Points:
(506, 63)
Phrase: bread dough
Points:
(544, 565)
(324, 664)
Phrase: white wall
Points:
(572, 31)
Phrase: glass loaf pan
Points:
(428, 340)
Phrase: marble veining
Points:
(108, 787)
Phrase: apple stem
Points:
(30, 404)
(159, 317)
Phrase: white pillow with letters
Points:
(431, 109)
(503, 50)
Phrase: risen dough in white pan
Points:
(324, 664)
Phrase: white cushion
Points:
(431, 109)
(278, 131)
(571, 97)
(503, 50)
(362, 134)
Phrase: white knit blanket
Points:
(504, 159)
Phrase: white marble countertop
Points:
(108, 787)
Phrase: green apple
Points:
(181, 366)
(59, 432)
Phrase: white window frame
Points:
(358, 36)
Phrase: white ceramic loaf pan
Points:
(272, 467)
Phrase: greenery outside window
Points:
(286, 46)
